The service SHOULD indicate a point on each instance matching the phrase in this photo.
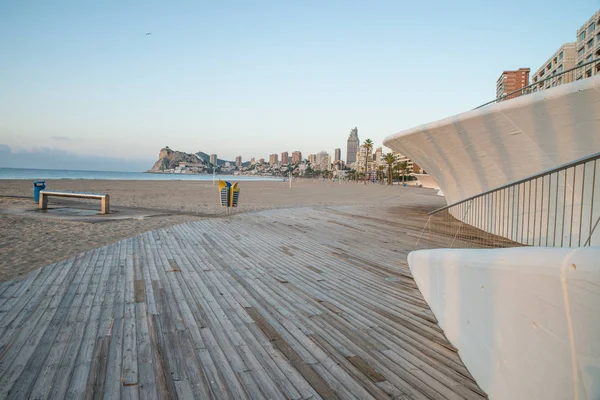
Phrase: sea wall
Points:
(525, 320)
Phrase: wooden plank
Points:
(363, 366)
(97, 376)
(112, 386)
(145, 359)
(140, 291)
(165, 386)
(129, 374)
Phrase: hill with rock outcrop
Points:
(169, 160)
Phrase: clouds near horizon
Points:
(50, 158)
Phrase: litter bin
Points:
(37, 187)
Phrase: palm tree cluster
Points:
(394, 165)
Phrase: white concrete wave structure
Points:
(486, 148)
(525, 320)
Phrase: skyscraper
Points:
(273, 159)
(338, 155)
(353, 144)
(285, 159)
(296, 157)
(238, 161)
(213, 159)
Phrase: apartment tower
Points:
(296, 157)
(213, 159)
(563, 59)
(238, 161)
(273, 159)
(588, 47)
(353, 144)
(285, 159)
(510, 81)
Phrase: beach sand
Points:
(27, 243)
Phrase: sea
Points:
(42, 174)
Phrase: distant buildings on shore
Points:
(318, 164)
(555, 71)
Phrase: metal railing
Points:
(555, 208)
(585, 70)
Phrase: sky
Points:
(251, 78)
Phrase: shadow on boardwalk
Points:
(296, 304)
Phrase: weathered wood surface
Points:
(290, 304)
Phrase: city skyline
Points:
(239, 79)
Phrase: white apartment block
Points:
(323, 161)
(409, 163)
(563, 59)
(588, 47)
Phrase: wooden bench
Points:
(104, 198)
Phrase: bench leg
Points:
(43, 204)
(105, 205)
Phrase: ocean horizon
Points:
(41, 174)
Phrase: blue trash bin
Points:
(37, 187)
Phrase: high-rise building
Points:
(510, 81)
(312, 158)
(238, 161)
(588, 48)
(285, 160)
(273, 159)
(252, 161)
(213, 159)
(377, 154)
(562, 60)
(323, 161)
(261, 160)
(337, 162)
(296, 157)
(353, 144)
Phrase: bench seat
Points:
(104, 198)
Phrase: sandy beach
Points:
(27, 243)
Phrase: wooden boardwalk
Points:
(285, 304)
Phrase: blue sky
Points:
(255, 78)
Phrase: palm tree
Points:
(390, 159)
(380, 174)
(368, 146)
(403, 166)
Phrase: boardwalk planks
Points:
(289, 304)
